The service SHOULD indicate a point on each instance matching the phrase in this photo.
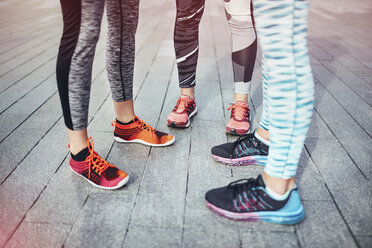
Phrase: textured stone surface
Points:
(39, 235)
(318, 229)
(45, 205)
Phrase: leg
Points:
(281, 29)
(186, 45)
(289, 72)
(186, 40)
(82, 21)
(244, 48)
(122, 17)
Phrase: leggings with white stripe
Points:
(81, 30)
(288, 84)
(244, 44)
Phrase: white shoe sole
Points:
(118, 139)
(188, 119)
(121, 184)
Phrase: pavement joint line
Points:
(17, 81)
(42, 104)
(25, 214)
(333, 199)
(347, 152)
(187, 190)
(342, 106)
(30, 150)
(27, 60)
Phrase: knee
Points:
(239, 15)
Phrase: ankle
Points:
(264, 134)
(126, 118)
(190, 92)
(278, 185)
(241, 97)
(77, 147)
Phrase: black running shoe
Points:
(247, 200)
(246, 150)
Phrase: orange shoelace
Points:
(144, 125)
(239, 111)
(182, 104)
(94, 160)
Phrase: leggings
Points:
(81, 30)
(244, 44)
(288, 86)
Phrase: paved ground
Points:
(44, 205)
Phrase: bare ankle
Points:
(279, 185)
(189, 92)
(263, 133)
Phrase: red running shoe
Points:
(182, 112)
(239, 120)
(97, 171)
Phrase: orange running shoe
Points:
(239, 120)
(97, 171)
(139, 131)
(182, 112)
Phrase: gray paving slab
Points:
(345, 185)
(18, 197)
(352, 103)
(144, 236)
(364, 241)
(58, 204)
(32, 235)
(102, 221)
(268, 239)
(344, 127)
(318, 229)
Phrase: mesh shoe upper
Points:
(247, 145)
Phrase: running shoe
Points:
(138, 131)
(248, 200)
(239, 120)
(182, 112)
(246, 150)
(97, 171)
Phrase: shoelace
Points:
(245, 185)
(145, 126)
(249, 140)
(94, 160)
(239, 111)
(182, 104)
(141, 123)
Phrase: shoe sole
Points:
(249, 160)
(139, 141)
(121, 184)
(174, 124)
(233, 131)
(266, 216)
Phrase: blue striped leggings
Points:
(288, 86)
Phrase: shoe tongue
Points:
(185, 97)
(241, 103)
(81, 156)
(260, 181)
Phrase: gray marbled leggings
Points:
(82, 22)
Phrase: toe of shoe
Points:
(221, 151)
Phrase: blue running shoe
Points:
(247, 200)
(246, 150)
